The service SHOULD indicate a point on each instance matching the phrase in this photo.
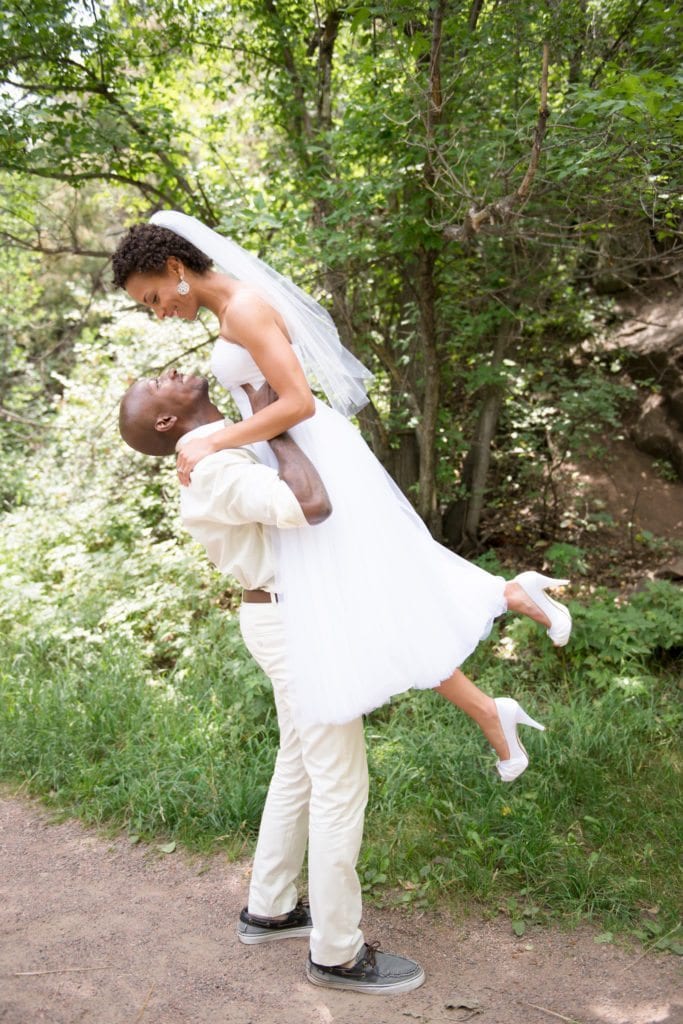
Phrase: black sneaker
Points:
(296, 925)
(374, 972)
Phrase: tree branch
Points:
(16, 418)
(144, 133)
(501, 210)
(475, 11)
(302, 121)
(22, 243)
(53, 89)
(435, 94)
(614, 48)
(328, 37)
(73, 179)
(399, 378)
(93, 86)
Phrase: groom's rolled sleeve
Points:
(235, 489)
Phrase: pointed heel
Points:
(524, 719)
(548, 581)
(510, 715)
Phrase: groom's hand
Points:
(260, 399)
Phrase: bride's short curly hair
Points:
(145, 248)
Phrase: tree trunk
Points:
(426, 295)
(368, 417)
(426, 505)
(404, 461)
(461, 522)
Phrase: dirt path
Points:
(99, 931)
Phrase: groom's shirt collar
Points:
(203, 431)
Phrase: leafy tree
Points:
(445, 174)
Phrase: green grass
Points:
(187, 757)
(588, 831)
(181, 747)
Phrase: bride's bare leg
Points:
(462, 692)
(520, 602)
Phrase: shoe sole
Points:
(568, 624)
(257, 938)
(539, 595)
(369, 989)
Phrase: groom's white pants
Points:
(318, 793)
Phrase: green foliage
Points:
(612, 644)
(553, 416)
(665, 470)
(588, 830)
(187, 753)
(129, 700)
(313, 137)
(125, 687)
(565, 560)
(126, 694)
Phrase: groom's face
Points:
(171, 394)
(156, 411)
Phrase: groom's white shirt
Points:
(228, 507)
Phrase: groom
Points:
(319, 787)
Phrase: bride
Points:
(372, 604)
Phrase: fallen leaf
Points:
(166, 847)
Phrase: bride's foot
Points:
(534, 602)
(510, 715)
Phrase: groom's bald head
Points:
(156, 411)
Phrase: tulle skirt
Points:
(372, 604)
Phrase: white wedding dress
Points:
(373, 605)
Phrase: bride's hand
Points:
(189, 455)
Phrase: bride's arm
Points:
(250, 322)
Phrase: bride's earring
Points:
(182, 287)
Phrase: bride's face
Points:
(159, 292)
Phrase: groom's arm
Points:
(294, 468)
(301, 476)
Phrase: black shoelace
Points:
(369, 959)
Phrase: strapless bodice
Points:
(232, 366)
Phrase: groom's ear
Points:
(165, 423)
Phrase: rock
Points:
(671, 571)
(651, 346)
(658, 434)
(674, 402)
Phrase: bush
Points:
(127, 698)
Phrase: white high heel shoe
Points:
(511, 714)
(534, 585)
